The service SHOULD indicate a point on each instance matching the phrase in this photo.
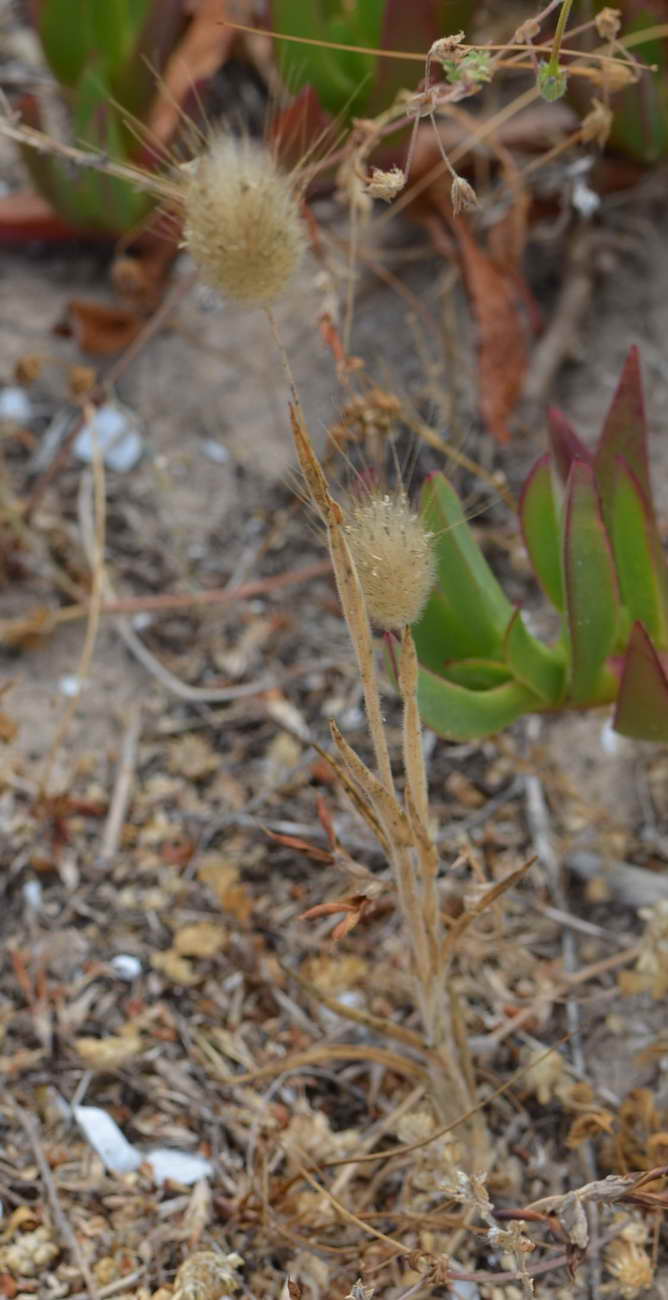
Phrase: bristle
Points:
(393, 554)
(242, 223)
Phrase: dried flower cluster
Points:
(242, 222)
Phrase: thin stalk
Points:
(553, 65)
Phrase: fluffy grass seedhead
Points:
(394, 558)
(242, 223)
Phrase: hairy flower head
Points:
(242, 223)
(394, 558)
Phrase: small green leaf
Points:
(541, 530)
(538, 668)
(476, 674)
(641, 565)
(473, 610)
(339, 77)
(592, 596)
(642, 703)
(624, 433)
(551, 81)
(565, 444)
(460, 714)
(73, 32)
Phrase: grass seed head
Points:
(394, 558)
(242, 223)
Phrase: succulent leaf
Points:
(642, 703)
(565, 444)
(476, 674)
(540, 529)
(592, 596)
(478, 612)
(461, 714)
(538, 668)
(641, 566)
(624, 434)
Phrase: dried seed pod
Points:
(242, 222)
(394, 558)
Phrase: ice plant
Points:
(353, 82)
(242, 224)
(105, 58)
(592, 537)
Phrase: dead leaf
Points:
(109, 1053)
(192, 756)
(98, 329)
(177, 968)
(202, 50)
(26, 632)
(201, 939)
(26, 216)
(503, 342)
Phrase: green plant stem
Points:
(553, 64)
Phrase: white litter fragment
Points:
(177, 1166)
(126, 966)
(116, 430)
(32, 894)
(215, 451)
(121, 1157)
(585, 200)
(70, 685)
(611, 741)
(460, 1289)
(106, 1138)
(15, 404)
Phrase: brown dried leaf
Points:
(177, 968)
(200, 53)
(590, 1125)
(109, 1053)
(503, 331)
(8, 728)
(192, 756)
(26, 632)
(222, 877)
(201, 939)
(98, 329)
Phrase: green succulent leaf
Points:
(541, 529)
(476, 674)
(624, 433)
(74, 31)
(459, 713)
(590, 584)
(641, 566)
(565, 444)
(342, 78)
(468, 612)
(100, 201)
(642, 703)
(538, 668)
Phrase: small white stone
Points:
(215, 451)
(611, 741)
(106, 1138)
(116, 431)
(126, 966)
(177, 1166)
(15, 404)
(70, 685)
(32, 894)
